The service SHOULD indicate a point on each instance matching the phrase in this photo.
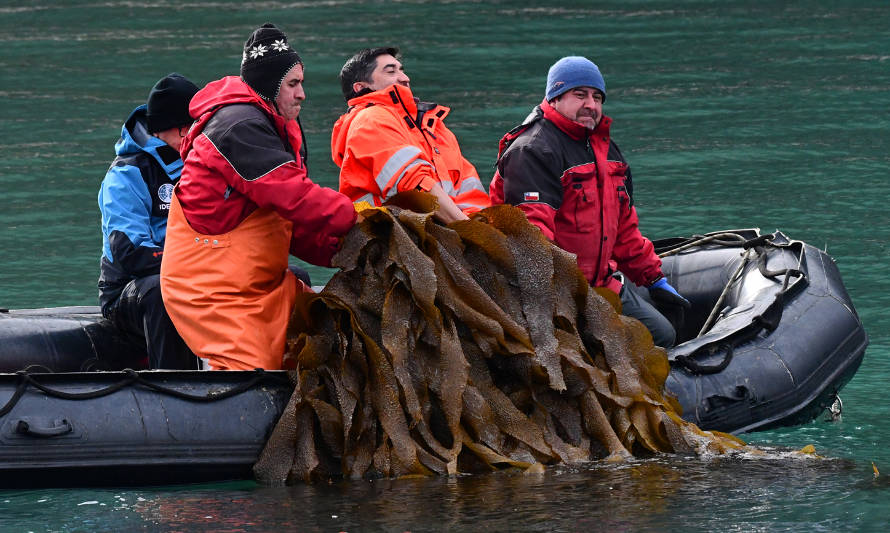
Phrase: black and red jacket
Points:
(240, 156)
(574, 184)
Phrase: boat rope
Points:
(733, 240)
(19, 392)
(769, 319)
(687, 362)
(721, 239)
(719, 305)
(134, 378)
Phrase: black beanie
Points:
(168, 103)
(266, 60)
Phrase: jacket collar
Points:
(135, 138)
(391, 99)
(397, 96)
(394, 95)
(570, 127)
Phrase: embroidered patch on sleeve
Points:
(533, 196)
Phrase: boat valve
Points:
(835, 410)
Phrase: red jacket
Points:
(240, 156)
(575, 185)
(387, 142)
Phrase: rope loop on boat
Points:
(767, 273)
(758, 242)
(133, 378)
(721, 239)
(19, 392)
(728, 239)
(689, 364)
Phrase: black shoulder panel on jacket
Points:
(245, 136)
(531, 172)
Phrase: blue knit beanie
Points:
(570, 72)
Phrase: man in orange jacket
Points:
(388, 141)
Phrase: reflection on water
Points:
(773, 492)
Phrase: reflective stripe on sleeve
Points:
(395, 186)
(395, 162)
(372, 199)
(470, 184)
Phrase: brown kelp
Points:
(462, 348)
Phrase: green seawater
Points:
(733, 114)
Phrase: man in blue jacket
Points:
(134, 199)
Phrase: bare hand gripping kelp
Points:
(463, 348)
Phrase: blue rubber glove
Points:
(662, 292)
(669, 303)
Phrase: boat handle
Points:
(60, 427)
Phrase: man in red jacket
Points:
(563, 170)
(244, 202)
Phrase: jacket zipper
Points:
(599, 260)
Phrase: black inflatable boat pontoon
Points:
(771, 339)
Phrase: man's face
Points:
(388, 71)
(291, 95)
(583, 105)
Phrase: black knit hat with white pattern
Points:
(266, 60)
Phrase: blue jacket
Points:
(134, 199)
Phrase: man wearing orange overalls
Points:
(388, 141)
(244, 202)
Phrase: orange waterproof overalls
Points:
(230, 296)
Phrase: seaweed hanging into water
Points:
(464, 348)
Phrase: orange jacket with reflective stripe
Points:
(230, 295)
(387, 142)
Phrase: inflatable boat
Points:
(771, 339)
(772, 335)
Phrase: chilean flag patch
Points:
(531, 196)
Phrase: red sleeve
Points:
(496, 189)
(635, 253)
(321, 216)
